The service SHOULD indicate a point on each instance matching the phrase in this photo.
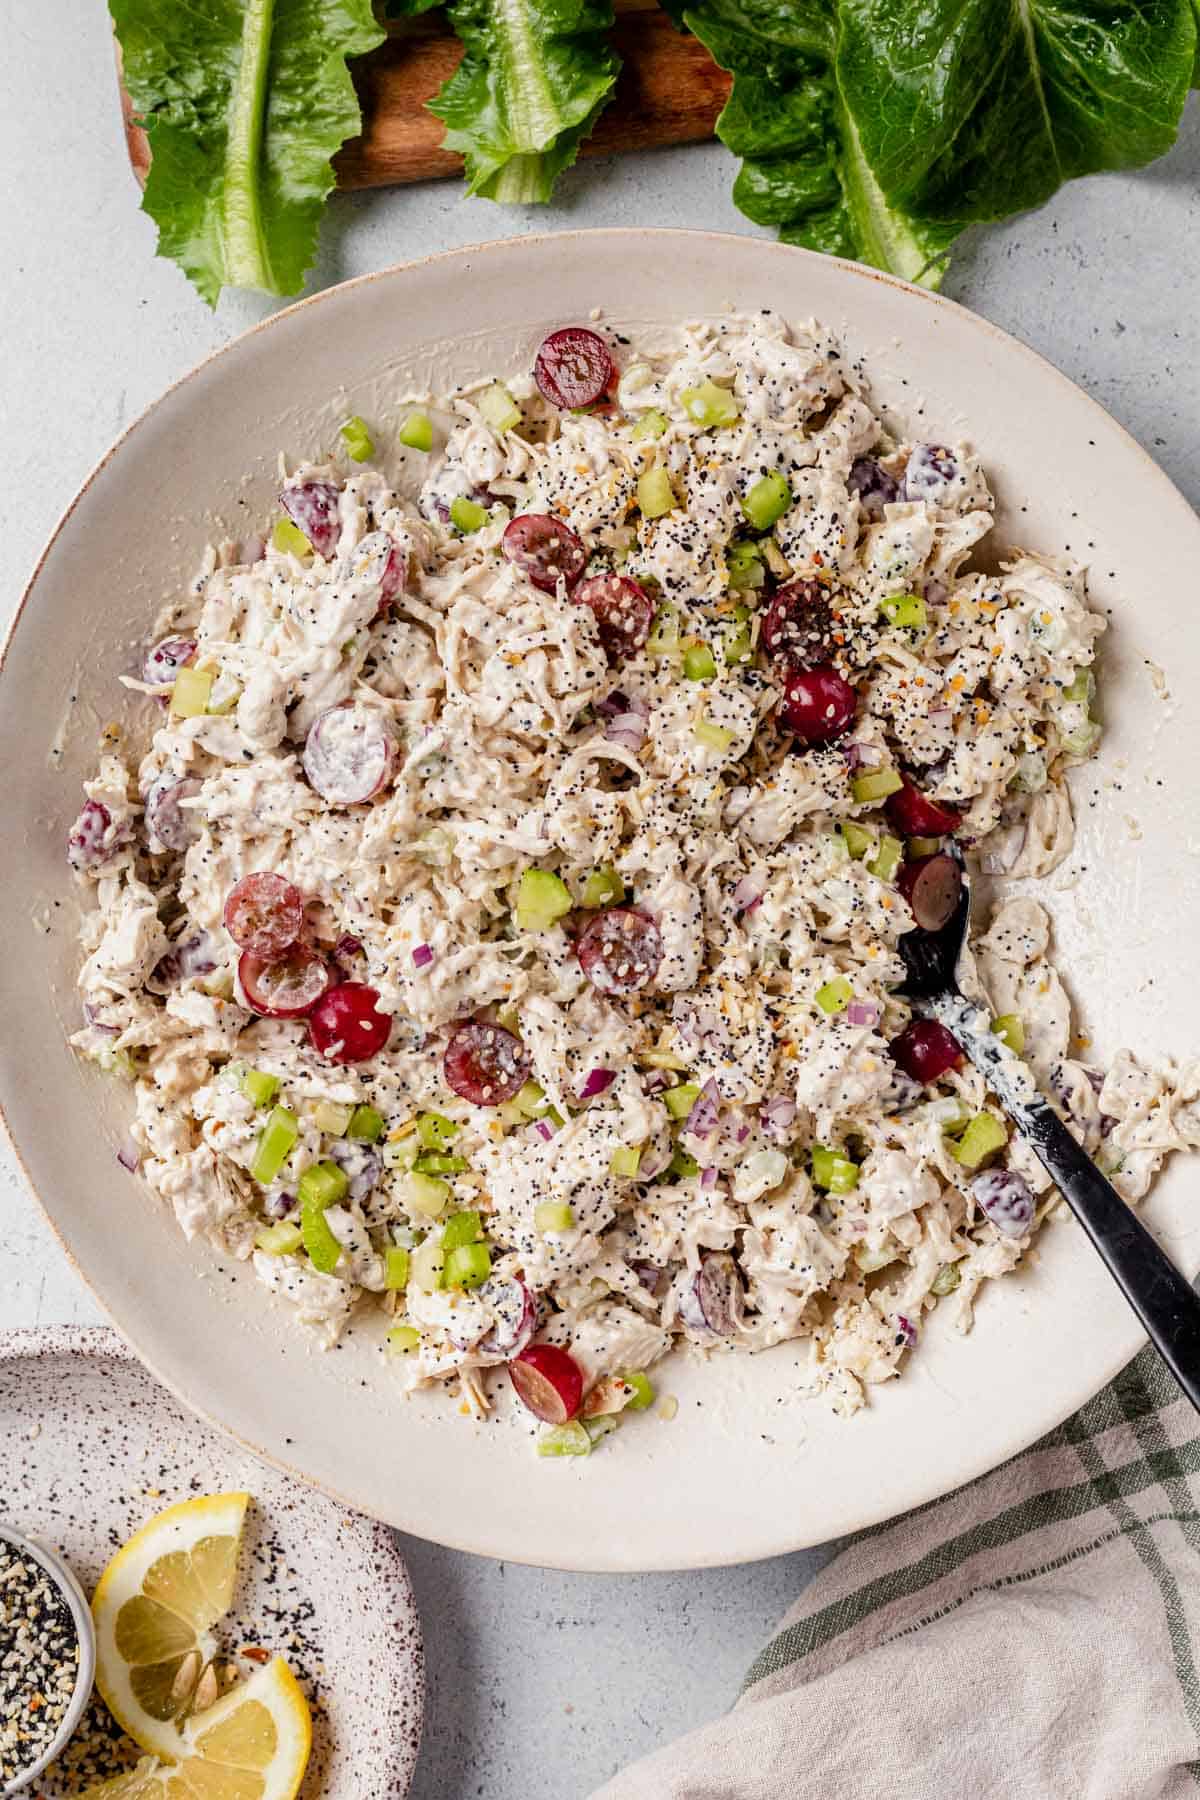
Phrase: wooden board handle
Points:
(669, 92)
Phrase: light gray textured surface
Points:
(541, 1684)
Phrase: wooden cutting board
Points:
(669, 92)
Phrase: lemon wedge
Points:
(252, 1744)
(154, 1608)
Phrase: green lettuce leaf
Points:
(531, 84)
(245, 101)
(880, 129)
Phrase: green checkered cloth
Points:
(1034, 1634)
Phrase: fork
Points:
(1158, 1292)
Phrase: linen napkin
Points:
(1036, 1633)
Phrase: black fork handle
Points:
(1159, 1294)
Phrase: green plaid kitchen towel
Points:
(1034, 1634)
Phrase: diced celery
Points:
(600, 1426)
(835, 996)
(1082, 690)
(275, 1145)
(642, 1395)
(467, 515)
(290, 539)
(1032, 774)
(366, 1124)
(871, 1261)
(946, 1279)
(713, 737)
(875, 786)
(427, 1264)
(839, 848)
(259, 1087)
(744, 564)
(542, 899)
(982, 1138)
(1075, 743)
(401, 1153)
(739, 637)
(833, 1172)
(663, 1059)
(357, 439)
(652, 424)
(603, 887)
(680, 1100)
(331, 1118)
(395, 1268)
(553, 1215)
(887, 859)
(323, 1184)
(402, 1340)
(467, 1266)
(191, 693)
(283, 1239)
(683, 1163)
(499, 408)
(952, 1114)
(426, 1195)
(436, 1132)
(710, 405)
(655, 495)
(564, 1440)
(664, 633)
(858, 839)
(1010, 1029)
(625, 1160)
(416, 433)
(923, 846)
(767, 501)
(699, 664)
(775, 560)
(436, 1162)
(462, 1228)
(906, 611)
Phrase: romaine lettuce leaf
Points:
(535, 75)
(880, 129)
(245, 102)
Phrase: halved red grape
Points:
(349, 754)
(1007, 1199)
(165, 659)
(620, 950)
(395, 575)
(346, 1025)
(264, 914)
(543, 548)
(313, 506)
(484, 1063)
(624, 613)
(516, 1311)
(873, 485)
(931, 472)
(86, 840)
(931, 885)
(916, 815)
(173, 825)
(574, 367)
(798, 624)
(285, 984)
(818, 705)
(549, 1382)
(925, 1050)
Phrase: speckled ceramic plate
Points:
(747, 1467)
(91, 1447)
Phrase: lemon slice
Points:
(155, 1606)
(253, 1744)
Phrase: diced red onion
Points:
(863, 756)
(777, 1114)
(747, 894)
(862, 1012)
(741, 1134)
(935, 590)
(128, 1156)
(705, 1115)
(627, 729)
(654, 1161)
(654, 1081)
(422, 956)
(708, 1178)
(906, 1329)
(597, 1082)
(612, 704)
(544, 1130)
(89, 1013)
(649, 1275)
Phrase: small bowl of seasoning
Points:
(47, 1658)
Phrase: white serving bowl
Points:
(81, 1615)
(747, 1468)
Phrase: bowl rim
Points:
(1168, 494)
(68, 1585)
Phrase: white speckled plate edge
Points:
(91, 1447)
